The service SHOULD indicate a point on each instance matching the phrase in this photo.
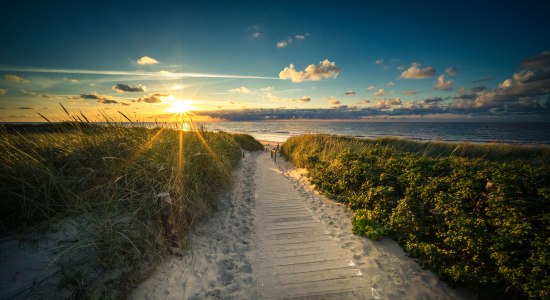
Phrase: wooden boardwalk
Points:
(296, 257)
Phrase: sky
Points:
(275, 60)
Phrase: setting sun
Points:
(180, 106)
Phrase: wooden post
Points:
(167, 218)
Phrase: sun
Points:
(180, 106)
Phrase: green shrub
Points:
(365, 224)
(475, 214)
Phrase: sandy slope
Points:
(216, 264)
(274, 237)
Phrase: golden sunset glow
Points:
(180, 106)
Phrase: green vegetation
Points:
(247, 142)
(103, 180)
(478, 215)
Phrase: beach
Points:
(273, 236)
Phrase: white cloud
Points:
(379, 61)
(289, 40)
(325, 69)
(370, 88)
(15, 78)
(414, 72)
(333, 101)
(146, 60)
(282, 44)
(391, 83)
(379, 93)
(3, 91)
(387, 103)
(256, 30)
(505, 84)
(305, 99)
(444, 85)
(451, 71)
(241, 90)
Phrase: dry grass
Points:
(334, 145)
(103, 181)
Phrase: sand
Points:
(273, 237)
(31, 266)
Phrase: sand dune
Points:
(273, 236)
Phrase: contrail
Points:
(131, 73)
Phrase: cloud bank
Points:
(525, 94)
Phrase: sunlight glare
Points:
(180, 106)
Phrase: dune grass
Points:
(103, 181)
(334, 145)
(247, 142)
(477, 215)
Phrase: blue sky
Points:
(366, 60)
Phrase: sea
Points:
(474, 132)
(529, 133)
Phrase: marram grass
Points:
(103, 180)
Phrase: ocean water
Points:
(476, 132)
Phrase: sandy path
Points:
(273, 236)
(216, 263)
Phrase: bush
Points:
(477, 218)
